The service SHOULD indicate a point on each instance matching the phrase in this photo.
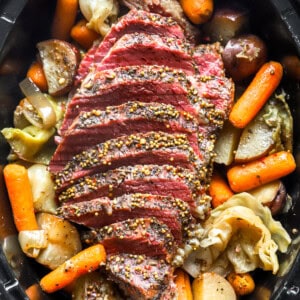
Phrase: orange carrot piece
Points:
(84, 36)
(64, 18)
(183, 285)
(37, 75)
(243, 284)
(256, 95)
(198, 11)
(20, 196)
(219, 190)
(83, 262)
(34, 292)
(253, 174)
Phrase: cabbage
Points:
(100, 14)
(240, 235)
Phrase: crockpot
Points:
(25, 22)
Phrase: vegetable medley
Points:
(253, 153)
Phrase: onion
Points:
(32, 241)
(41, 114)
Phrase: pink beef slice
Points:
(129, 118)
(146, 236)
(158, 148)
(141, 277)
(207, 98)
(103, 211)
(145, 49)
(134, 21)
(163, 180)
(168, 8)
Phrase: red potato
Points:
(226, 23)
(60, 60)
(243, 56)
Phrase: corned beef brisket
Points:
(135, 150)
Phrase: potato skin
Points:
(243, 56)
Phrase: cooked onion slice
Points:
(32, 241)
(44, 115)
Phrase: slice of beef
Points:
(141, 277)
(158, 148)
(134, 236)
(99, 212)
(163, 180)
(145, 49)
(208, 59)
(132, 117)
(152, 84)
(133, 21)
(169, 8)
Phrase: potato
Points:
(272, 194)
(226, 144)
(243, 56)
(226, 23)
(256, 141)
(62, 237)
(212, 286)
(60, 60)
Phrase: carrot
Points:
(198, 11)
(37, 75)
(34, 292)
(253, 174)
(83, 262)
(20, 196)
(219, 190)
(256, 95)
(243, 284)
(64, 18)
(183, 285)
(84, 36)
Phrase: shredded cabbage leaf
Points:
(240, 235)
(100, 14)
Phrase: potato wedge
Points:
(256, 141)
(60, 60)
(226, 144)
(212, 286)
(272, 194)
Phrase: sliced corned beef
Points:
(99, 212)
(134, 236)
(145, 49)
(169, 8)
(163, 180)
(208, 59)
(142, 277)
(158, 148)
(132, 117)
(133, 21)
(152, 84)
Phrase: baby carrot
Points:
(198, 11)
(83, 262)
(34, 292)
(37, 75)
(256, 95)
(243, 284)
(219, 190)
(64, 18)
(20, 196)
(253, 174)
(83, 35)
(183, 285)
